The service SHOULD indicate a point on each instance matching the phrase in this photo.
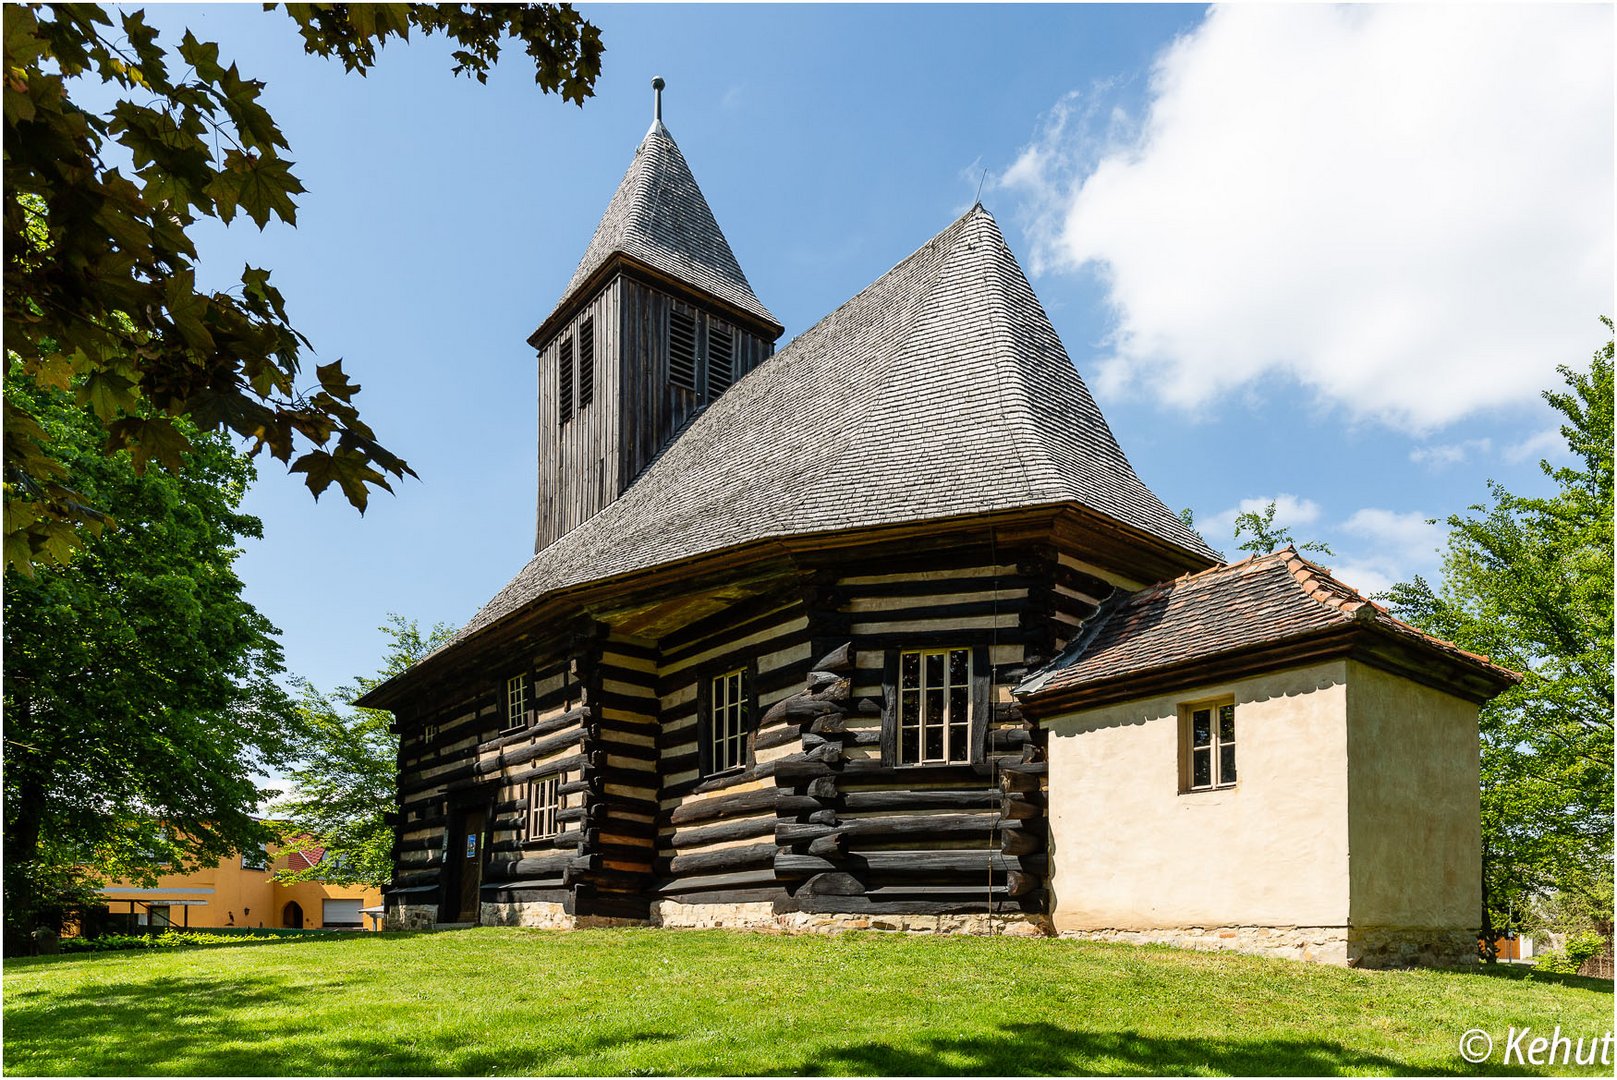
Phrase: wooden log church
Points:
(863, 633)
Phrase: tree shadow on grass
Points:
(1529, 974)
(1043, 1049)
(215, 1026)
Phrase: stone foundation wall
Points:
(1367, 947)
(539, 914)
(1320, 944)
(1392, 947)
(410, 917)
(758, 915)
(762, 916)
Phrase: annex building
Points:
(882, 630)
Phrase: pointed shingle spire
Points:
(659, 217)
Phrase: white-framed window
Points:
(1207, 745)
(934, 706)
(516, 701)
(544, 804)
(727, 722)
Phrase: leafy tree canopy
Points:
(1528, 582)
(344, 783)
(140, 695)
(101, 295)
(1263, 535)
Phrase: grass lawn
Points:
(641, 1001)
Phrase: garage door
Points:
(336, 913)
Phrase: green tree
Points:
(1264, 536)
(140, 695)
(343, 785)
(1528, 582)
(101, 295)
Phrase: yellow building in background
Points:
(242, 892)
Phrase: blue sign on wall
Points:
(471, 845)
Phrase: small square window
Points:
(516, 701)
(1207, 746)
(727, 722)
(544, 806)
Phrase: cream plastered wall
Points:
(1129, 851)
(1414, 838)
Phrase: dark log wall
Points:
(859, 832)
(716, 836)
(621, 782)
(652, 409)
(520, 866)
(435, 753)
(821, 818)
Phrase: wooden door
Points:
(469, 852)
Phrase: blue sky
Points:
(1317, 254)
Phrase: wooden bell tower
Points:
(657, 321)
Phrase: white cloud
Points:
(1386, 546)
(1367, 577)
(1404, 537)
(1549, 443)
(1291, 512)
(1442, 455)
(1407, 209)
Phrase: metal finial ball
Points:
(657, 82)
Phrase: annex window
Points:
(934, 706)
(721, 351)
(586, 363)
(1207, 742)
(544, 805)
(682, 350)
(516, 701)
(727, 722)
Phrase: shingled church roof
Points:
(939, 391)
(1244, 609)
(659, 216)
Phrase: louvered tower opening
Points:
(720, 359)
(564, 371)
(682, 350)
(586, 363)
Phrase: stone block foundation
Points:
(1342, 945)
(410, 917)
(762, 916)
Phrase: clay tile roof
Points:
(1263, 600)
(659, 216)
(305, 859)
(941, 390)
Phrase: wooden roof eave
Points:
(623, 261)
(572, 601)
(1366, 641)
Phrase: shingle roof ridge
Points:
(689, 245)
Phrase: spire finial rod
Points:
(657, 85)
